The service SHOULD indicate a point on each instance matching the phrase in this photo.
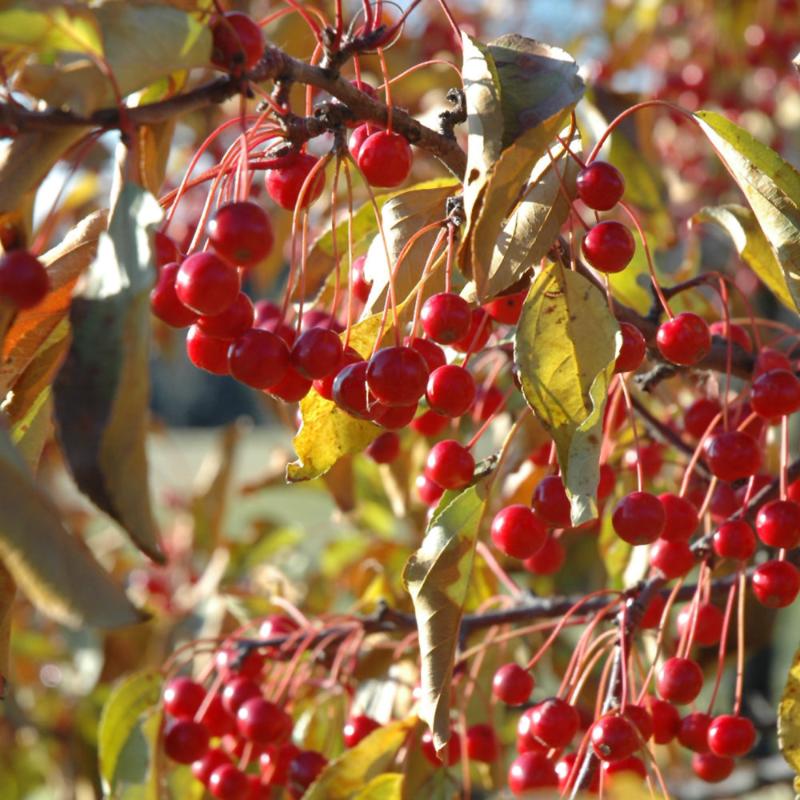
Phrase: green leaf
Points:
(345, 778)
(53, 568)
(531, 229)
(771, 186)
(102, 390)
(402, 216)
(31, 432)
(65, 26)
(384, 787)
(437, 576)
(565, 348)
(120, 719)
(752, 245)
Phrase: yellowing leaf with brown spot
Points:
(437, 576)
(345, 778)
(565, 348)
(789, 716)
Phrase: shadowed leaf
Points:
(771, 186)
(102, 390)
(345, 778)
(752, 245)
(53, 568)
(565, 348)
(8, 593)
(437, 576)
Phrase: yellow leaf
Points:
(752, 245)
(384, 787)
(789, 716)
(565, 348)
(437, 576)
(65, 27)
(345, 778)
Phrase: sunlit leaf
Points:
(771, 186)
(789, 716)
(102, 390)
(565, 349)
(121, 716)
(752, 245)
(31, 432)
(345, 778)
(52, 567)
(383, 787)
(437, 577)
(403, 216)
(65, 26)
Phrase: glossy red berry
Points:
(385, 159)
(685, 339)
(517, 531)
(258, 720)
(693, 733)
(350, 390)
(531, 771)
(359, 285)
(711, 768)
(241, 233)
(393, 418)
(324, 386)
(732, 455)
(232, 322)
(429, 423)
(360, 135)
(285, 183)
(769, 359)
(512, 684)
(397, 376)
(672, 558)
(633, 349)
(568, 769)
(428, 491)
(237, 41)
(735, 539)
(216, 719)
(165, 251)
(238, 691)
(304, 770)
(316, 353)
(232, 661)
(778, 524)
(731, 735)
(453, 749)
(482, 743)
(776, 583)
(641, 718)
(433, 354)
(182, 697)
(259, 358)
(548, 559)
(700, 415)
(600, 185)
(680, 517)
(507, 308)
(488, 401)
(385, 448)
(631, 765)
(450, 464)
(679, 680)
(736, 333)
(651, 618)
(358, 728)
(292, 388)
(207, 352)
(666, 720)
(164, 302)
(475, 339)
(185, 741)
(614, 737)
(445, 317)
(203, 768)
(639, 518)
(275, 761)
(775, 394)
(450, 390)
(609, 246)
(206, 284)
(228, 782)
(554, 722)
(23, 279)
(550, 501)
(707, 620)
